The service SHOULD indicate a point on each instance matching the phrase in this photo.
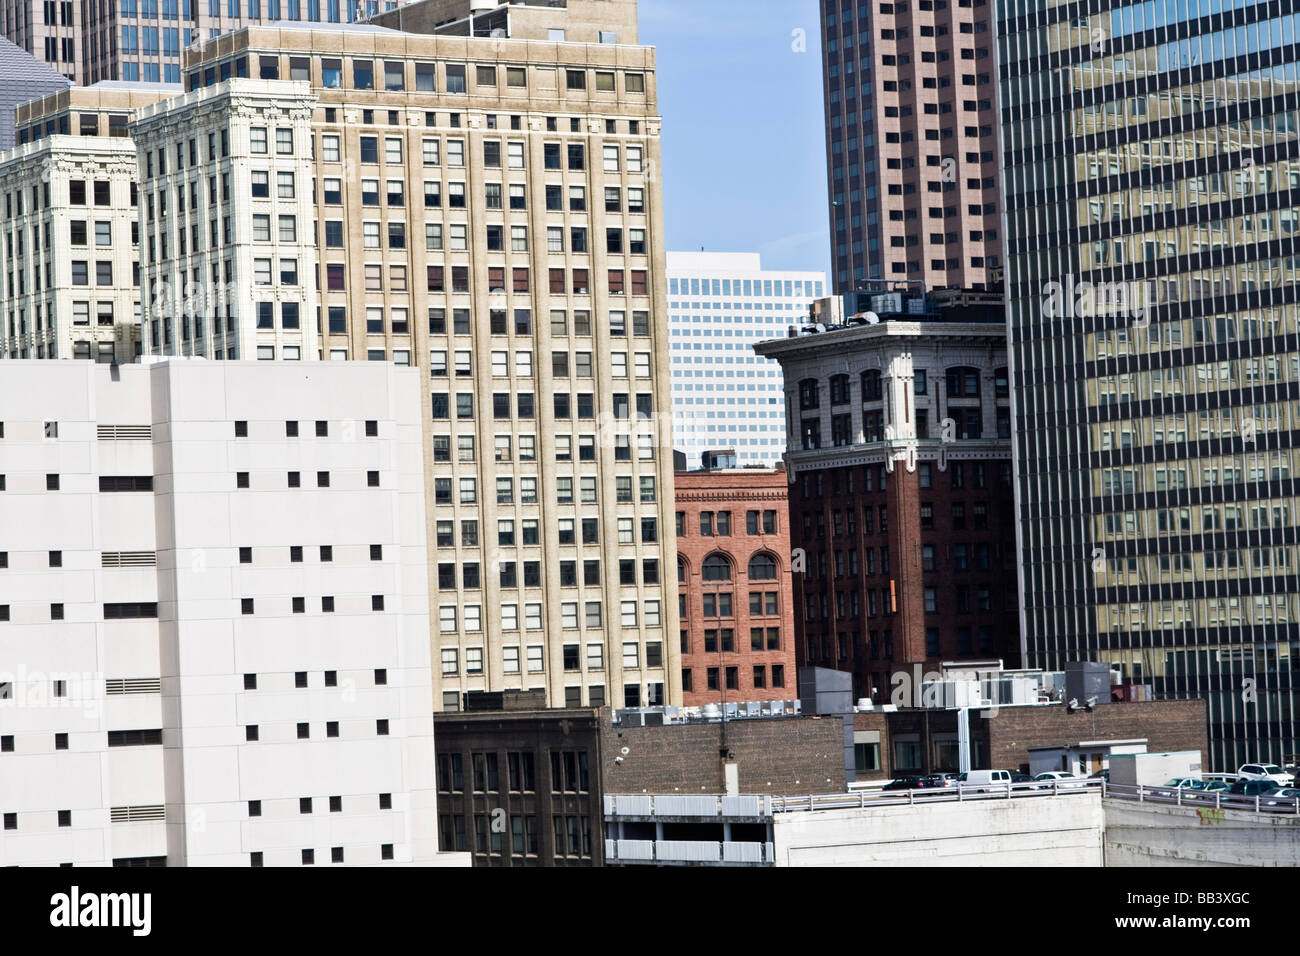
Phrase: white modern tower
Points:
(725, 396)
(213, 615)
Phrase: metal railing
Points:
(687, 805)
(688, 851)
(955, 794)
(1201, 799)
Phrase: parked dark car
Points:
(1253, 788)
(905, 783)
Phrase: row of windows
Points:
(294, 478)
(718, 567)
(469, 618)
(723, 640)
(256, 858)
(252, 732)
(450, 658)
(435, 151)
(562, 405)
(331, 679)
(471, 579)
(112, 612)
(467, 494)
(731, 675)
(299, 604)
(396, 75)
(570, 772)
(871, 478)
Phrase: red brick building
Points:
(734, 586)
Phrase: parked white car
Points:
(1264, 771)
(1061, 778)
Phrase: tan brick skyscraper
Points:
(911, 142)
(486, 207)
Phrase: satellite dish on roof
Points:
(871, 317)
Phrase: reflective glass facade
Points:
(1152, 183)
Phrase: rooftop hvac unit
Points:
(711, 710)
(889, 302)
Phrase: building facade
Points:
(209, 659)
(900, 488)
(1151, 308)
(719, 305)
(734, 596)
(69, 251)
(143, 40)
(485, 209)
(571, 787)
(910, 142)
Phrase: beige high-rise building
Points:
(483, 202)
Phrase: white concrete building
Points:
(725, 396)
(233, 280)
(213, 616)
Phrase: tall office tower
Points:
(489, 210)
(719, 305)
(25, 78)
(910, 142)
(69, 256)
(900, 487)
(213, 605)
(142, 40)
(49, 30)
(1151, 300)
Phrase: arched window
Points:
(839, 389)
(681, 571)
(762, 567)
(871, 385)
(717, 568)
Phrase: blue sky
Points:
(744, 155)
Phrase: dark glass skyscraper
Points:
(1152, 193)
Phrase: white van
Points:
(985, 779)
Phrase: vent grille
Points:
(124, 432)
(129, 559)
(133, 685)
(137, 814)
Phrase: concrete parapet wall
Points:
(1036, 831)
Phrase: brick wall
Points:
(1167, 725)
(784, 755)
(1007, 736)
